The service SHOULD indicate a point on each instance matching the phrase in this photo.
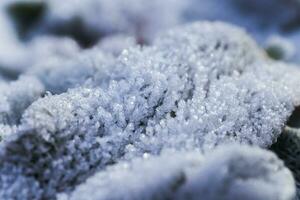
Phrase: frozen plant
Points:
(199, 86)
(230, 172)
(146, 178)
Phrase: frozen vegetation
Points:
(236, 172)
(214, 86)
(132, 100)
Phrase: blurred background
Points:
(32, 31)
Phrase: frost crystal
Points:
(237, 172)
(197, 87)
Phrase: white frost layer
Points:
(199, 86)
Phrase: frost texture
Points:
(199, 86)
(236, 172)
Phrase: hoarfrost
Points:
(199, 86)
